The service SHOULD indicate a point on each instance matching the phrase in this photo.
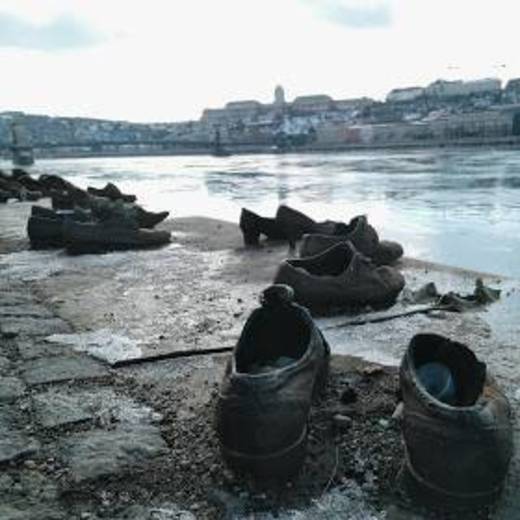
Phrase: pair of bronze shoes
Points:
(292, 225)
(456, 423)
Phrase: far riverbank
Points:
(176, 149)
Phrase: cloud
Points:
(354, 14)
(61, 33)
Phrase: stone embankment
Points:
(83, 439)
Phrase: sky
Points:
(167, 60)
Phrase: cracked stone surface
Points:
(10, 388)
(62, 368)
(55, 408)
(27, 326)
(14, 443)
(98, 453)
(31, 349)
(15, 298)
(103, 344)
(165, 512)
(13, 512)
(32, 311)
(5, 365)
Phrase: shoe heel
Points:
(251, 238)
(320, 382)
(281, 465)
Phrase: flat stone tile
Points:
(37, 348)
(14, 298)
(62, 368)
(5, 366)
(28, 310)
(99, 453)
(12, 327)
(11, 388)
(103, 344)
(56, 408)
(31, 512)
(14, 443)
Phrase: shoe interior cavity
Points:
(448, 367)
(274, 339)
(332, 262)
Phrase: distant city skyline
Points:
(166, 61)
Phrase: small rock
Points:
(371, 370)
(342, 421)
(348, 395)
(384, 423)
(398, 412)
(30, 464)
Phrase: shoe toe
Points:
(393, 280)
(387, 252)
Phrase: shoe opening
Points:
(447, 370)
(331, 262)
(273, 339)
(345, 229)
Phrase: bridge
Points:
(97, 145)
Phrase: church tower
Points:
(279, 96)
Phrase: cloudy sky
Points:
(165, 60)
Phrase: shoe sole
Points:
(279, 465)
(432, 495)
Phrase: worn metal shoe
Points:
(253, 225)
(279, 362)
(340, 277)
(361, 234)
(112, 192)
(456, 424)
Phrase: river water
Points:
(459, 207)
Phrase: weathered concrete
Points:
(57, 408)
(5, 366)
(37, 348)
(27, 326)
(103, 344)
(28, 310)
(62, 368)
(14, 442)
(99, 453)
(11, 388)
(197, 294)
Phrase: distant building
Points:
(279, 96)
(352, 104)
(214, 116)
(310, 104)
(446, 89)
(512, 91)
(405, 94)
(242, 109)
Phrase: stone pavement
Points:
(62, 422)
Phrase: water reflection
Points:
(460, 207)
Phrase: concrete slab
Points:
(62, 368)
(104, 344)
(57, 408)
(27, 326)
(99, 453)
(5, 366)
(25, 310)
(37, 348)
(14, 443)
(11, 388)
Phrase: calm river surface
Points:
(460, 207)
